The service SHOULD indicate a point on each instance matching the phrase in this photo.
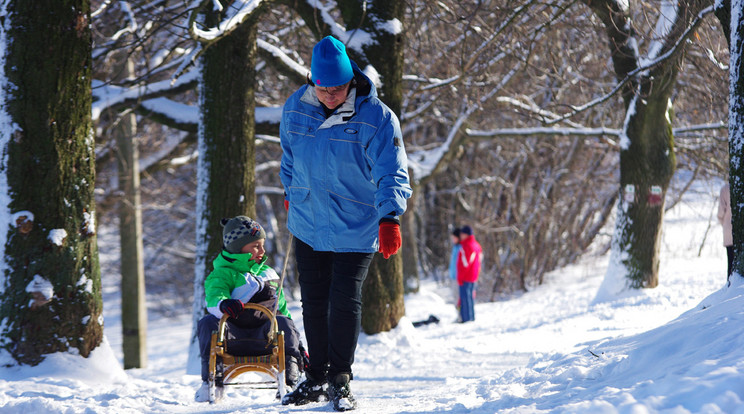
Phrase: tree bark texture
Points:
(227, 147)
(382, 294)
(647, 159)
(736, 133)
(646, 168)
(51, 298)
(226, 173)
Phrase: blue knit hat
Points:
(330, 65)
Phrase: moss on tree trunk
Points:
(51, 178)
(646, 168)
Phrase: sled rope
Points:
(284, 270)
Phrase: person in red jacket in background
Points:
(468, 269)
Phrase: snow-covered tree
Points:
(511, 115)
(515, 120)
(731, 15)
(226, 173)
(647, 154)
(50, 300)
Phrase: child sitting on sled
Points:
(241, 275)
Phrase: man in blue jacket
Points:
(345, 175)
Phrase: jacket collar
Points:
(341, 115)
(241, 262)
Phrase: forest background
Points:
(529, 121)
(536, 197)
(475, 85)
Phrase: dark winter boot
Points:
(340, 394)
(310, 390)
(292, 372)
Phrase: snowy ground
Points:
(674, 349)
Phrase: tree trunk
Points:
(646, 168)
(226, 168)
(736, 130)
(382, 294)
(51, 296)
(647, 159)
(133, 304)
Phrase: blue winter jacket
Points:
(342, 174)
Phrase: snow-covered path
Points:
(529, 354)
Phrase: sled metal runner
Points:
(271, 364)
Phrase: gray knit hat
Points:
(239, 231)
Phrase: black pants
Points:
(331, 288)
(730, 256)
(209, 323)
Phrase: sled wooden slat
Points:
(235, 365)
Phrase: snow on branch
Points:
(109, 96)
(323, 12)
(282, 58)
(647, 66)
(701, 127)
(533, 108)
(104, 5)
(171, 142)
(668, 15)
(182, 116)
(132, 26)
(501, 132)
(426, 162)
(577, 131)
(236, 14)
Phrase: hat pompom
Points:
(330, 65)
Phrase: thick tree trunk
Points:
(736, 132)
(226, 168)
(646, 168)
(647, 159)
(723, 13)
(382, 295)
(51, 296)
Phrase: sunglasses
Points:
(332, 90)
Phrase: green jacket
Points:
(235, 277)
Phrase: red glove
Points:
(286, 205)
(390, 240)
(232, 307)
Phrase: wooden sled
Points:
(271, 363)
